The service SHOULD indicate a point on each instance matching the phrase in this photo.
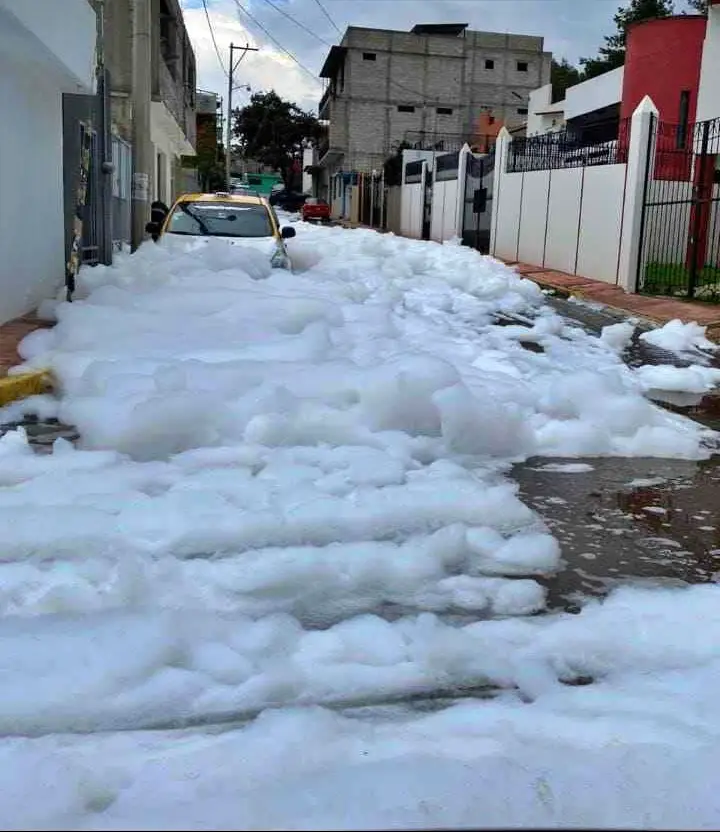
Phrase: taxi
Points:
(243, 219)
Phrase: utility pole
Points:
(232, 66)
(142, 149)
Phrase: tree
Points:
(563, 75)
(698, 6)
(210, 168)
(274, 131)
(612, 54)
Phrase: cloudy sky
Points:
(571, 28)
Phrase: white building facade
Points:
(708, 106)
(47, 48)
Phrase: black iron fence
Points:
(598, 144)
(679, 250)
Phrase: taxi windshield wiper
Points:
(205, 230)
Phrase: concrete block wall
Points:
(446, 73)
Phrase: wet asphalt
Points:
(629, 521)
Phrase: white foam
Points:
(291, 492)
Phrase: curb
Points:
(712, 332)
(23, 385)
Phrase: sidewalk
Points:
(13, 387)
(658, 310)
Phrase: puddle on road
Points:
(644, 521)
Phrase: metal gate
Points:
(372, 196)
(86, 121)
(679, 252)
(477, 201)
(427, 204)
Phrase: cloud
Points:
(571, 28)
(270, 68)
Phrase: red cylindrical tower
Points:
(662, 60)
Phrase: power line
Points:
(212, 35)
(276, 42)
(325, 12)
(297, 23)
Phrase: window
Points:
(522, 111)
(682, 127)
(489, 64)
(369, 56)
(405, 108)
(522, 66)
(444, 111)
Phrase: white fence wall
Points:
(444, 221)
(569, 220)
(561, 237)
(411, 209)
(584, 221)
(447, 206)
(533, 216)
(507, 200)
(601, 209)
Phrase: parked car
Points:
(242, 219)
(315, 209)
(288, 200)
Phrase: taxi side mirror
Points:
(287, 232)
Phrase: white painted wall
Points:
(569, 220)
(32, 242)
(169, 139)
(563, 219)
(598, 92)
(411, 211)
(708, 105)
(59, 36)
(506, 214)
(600, 222)
(46, 49)
(533, 217)
(443, 223)
(544, 117)
(412, 196)
(593, 215)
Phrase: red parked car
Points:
(316, 209)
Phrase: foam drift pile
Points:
(291, 504)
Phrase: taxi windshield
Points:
(220, 219)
